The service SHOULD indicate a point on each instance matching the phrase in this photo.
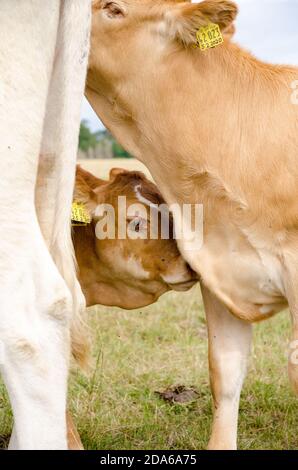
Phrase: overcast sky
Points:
(268, 28)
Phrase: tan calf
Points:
(128, 273)
(218, 128)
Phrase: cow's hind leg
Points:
(291, 287)
(229, 346)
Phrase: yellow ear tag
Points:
(209, 36)
(79, 214)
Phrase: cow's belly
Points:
(241, 267)
(246, 278)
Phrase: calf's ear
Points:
(185, 19)
(89, 178)
(84, 193)
(114, 172)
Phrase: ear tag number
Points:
(79, 214)
(209, 36)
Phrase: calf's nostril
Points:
(192, 273)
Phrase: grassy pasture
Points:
(140, 352)
(148, 350)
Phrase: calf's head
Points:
(129, 37)
(123, 259)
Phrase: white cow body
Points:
(43, 59)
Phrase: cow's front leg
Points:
(37, 389)
(229, 346)
(73, 438)
(36, 308)
(34, 368)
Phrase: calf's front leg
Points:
(229, 347)
(73, 438)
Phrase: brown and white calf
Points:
(216, 127)
(136, 270)
(43, 61)
(128, 273)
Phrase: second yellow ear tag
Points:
(209, 36)
(79, 214)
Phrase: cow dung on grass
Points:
(179, 394)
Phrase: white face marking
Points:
(142, 199)
(175, 278)
(132, 266)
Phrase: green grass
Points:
(140, 352)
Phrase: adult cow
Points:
(43, 60)
(215, 127)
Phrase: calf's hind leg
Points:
(73, 438)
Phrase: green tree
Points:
(87, 139)
(119, 151)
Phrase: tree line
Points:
(99, 144)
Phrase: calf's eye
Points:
(113, 10)
(137, 224)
